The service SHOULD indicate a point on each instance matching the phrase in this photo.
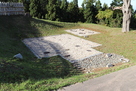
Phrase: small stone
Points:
(89, 50)
(67, 56)
(81, 29)
(124, 60)
(67, 49)
(77, 45)
(110, 65)
(46, 52)
(73, 30)
(79, 67)
(89, 72)
(108, 55)
(86, 36)
(72, 61)
(18, 56)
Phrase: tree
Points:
(116, 3)
(105, 6)
(63, 8)
(73, 12)
(75, 2)
(34, 8)
(105, 16)
(89, 10)
(126, 14)
(98, 5)
(52, 10)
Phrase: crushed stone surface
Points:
(67, 46)
(82, 32)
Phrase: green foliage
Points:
(37, 8)
(63, 10)
(89, 10)
(105, 14)
(52, 10)
(73, 12)
(98, 5)
(75, 3)
(133, 20)
(117, 3)
(34, 8)
(110, 18)
(104, 7)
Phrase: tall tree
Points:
(89, 10)
(105, 6)
(73, 12)
(116, 3)
(75, 2)
(126, 9)
(98, 5)
(126, 15)
(52, 10)
(63, 7)
(34, 8)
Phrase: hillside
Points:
(52, 73)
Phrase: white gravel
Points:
(82, 32)
(68, 46)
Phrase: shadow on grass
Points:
(12, 30)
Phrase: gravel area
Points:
(67, 46)
(82, 32)
(99, 61)
(78, 51)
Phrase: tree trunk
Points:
(126, 15)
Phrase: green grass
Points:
(32, 74)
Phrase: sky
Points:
(133, 2)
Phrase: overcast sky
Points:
(133, 2)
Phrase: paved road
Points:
(123, 80)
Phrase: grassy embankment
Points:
(32, 74)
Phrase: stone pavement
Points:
(123, 80)
(82, 32)
(67, 46)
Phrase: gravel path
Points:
(67, 46)
(82, 32)
(99, 61)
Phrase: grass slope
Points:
(32, 74)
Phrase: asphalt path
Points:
(123, 80)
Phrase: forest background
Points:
(91, 11)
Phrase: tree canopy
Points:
(92, 11)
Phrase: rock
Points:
(89, 50)
(124, 60)
(72, 61)
(109, 65)
(67, 56)
(108, 55)
(86, 36)
(77, 45)
(73, 30)
(46, 52)
(67, 49)
(18, 56)
(89, 72)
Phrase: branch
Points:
(117, 8)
